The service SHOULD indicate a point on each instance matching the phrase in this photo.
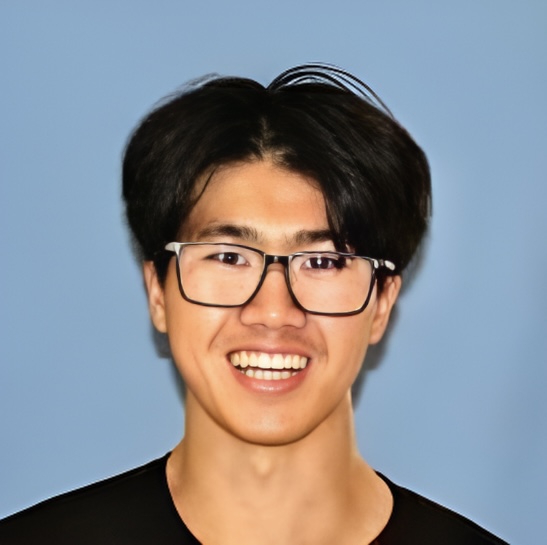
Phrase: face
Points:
(307, 362)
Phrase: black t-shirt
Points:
(135, 508)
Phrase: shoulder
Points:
(127, 508)
(416, 519)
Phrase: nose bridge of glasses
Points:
(270, 259)
(283, 261)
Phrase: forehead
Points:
(260, 200)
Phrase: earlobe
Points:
(156, 299)
(384, 305)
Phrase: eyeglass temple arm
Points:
(384, 263)
(171, 247)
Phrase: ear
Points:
(156, 298)
(384, 304)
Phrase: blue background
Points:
(454, 406)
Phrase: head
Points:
(275, 166)
(313, 120)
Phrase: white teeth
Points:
(264, 361)
(278, 362)
(260, 365)
(262, 374)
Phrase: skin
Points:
(269, 461)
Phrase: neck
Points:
(229, 490)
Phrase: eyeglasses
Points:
(216, 274)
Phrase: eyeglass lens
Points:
(229, 275)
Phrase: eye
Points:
(325, 262)
(229, 258)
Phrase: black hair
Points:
(315, 119)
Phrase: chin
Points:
(271, 439)
(271, 432)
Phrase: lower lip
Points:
(280, 386)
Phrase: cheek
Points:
(192, 331)
(348, 340)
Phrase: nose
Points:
(273, 305)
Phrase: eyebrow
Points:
(250, 234)
(306, 237)
(217, 230)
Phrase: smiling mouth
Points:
(264, 366)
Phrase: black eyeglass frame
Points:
(285, 260)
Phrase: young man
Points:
(274, 225)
